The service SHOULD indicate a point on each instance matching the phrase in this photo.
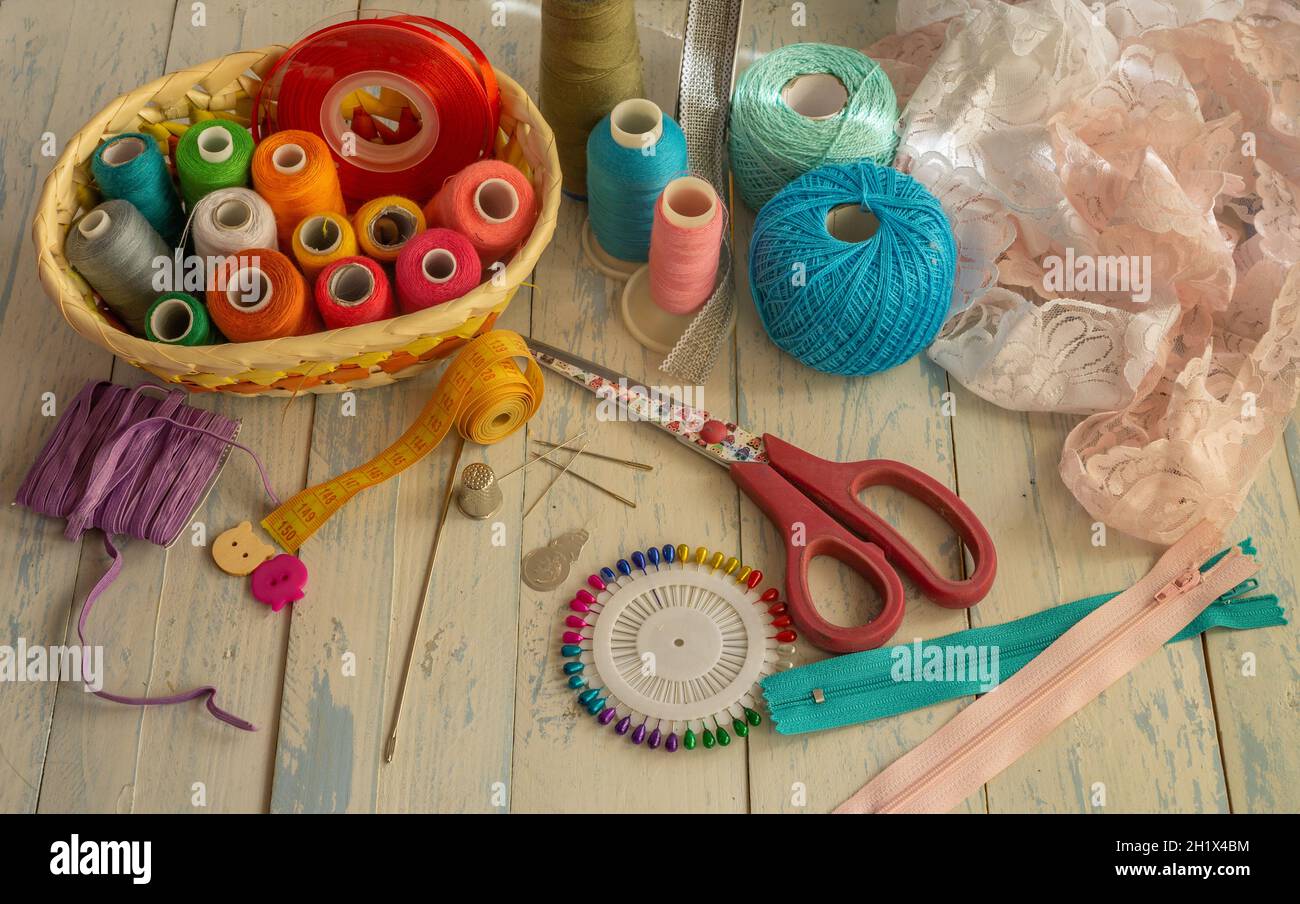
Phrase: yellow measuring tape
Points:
(483, 395)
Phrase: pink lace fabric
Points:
(1122, 179)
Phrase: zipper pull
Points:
(1179, 585)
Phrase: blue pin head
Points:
(638, 559)
(670, 553)
(654, 556)
(624, 568)
(608, 575)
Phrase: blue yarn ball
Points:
(852, 307)
(144, 180)
(624, 183)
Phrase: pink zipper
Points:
(1002, 726)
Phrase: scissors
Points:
(815, 505)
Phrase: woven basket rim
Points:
(75, 303)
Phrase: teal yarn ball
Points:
(623, 184)
(865, 301)
(129, 167)
(210, 156)
(772, 143)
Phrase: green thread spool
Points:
(803, 106)
(178, 319)
(591, 60)
(213, 155)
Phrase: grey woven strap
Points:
(708, 60)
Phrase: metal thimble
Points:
(479, 496)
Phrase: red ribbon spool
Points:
(452, 89)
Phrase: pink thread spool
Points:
(435, 267)
(685, 245)
(661, 297)
(489, 202)
(352, 291)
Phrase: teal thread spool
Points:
(631, 155)
(212, 155)
(805, 105)
(178, 318)
(129, 167)
(851, 268)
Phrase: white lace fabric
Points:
(1156, 137)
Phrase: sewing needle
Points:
(391, 747)
(636, 465)
(589, 482)
(556, 480)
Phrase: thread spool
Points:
(114, 248)
(878, 257)
(431, 79)
(590, 60)
(212, 155)
(805, 105)
(230, 220)
(259, 294)
(130, 167)
(661, 298)
(435, 267)
(492, 204)
(352, 291)
(480, 495)
(320, 240)
(178, 318)
(294, 172)
(632, 155)
(384, 226)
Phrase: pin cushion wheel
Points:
(669, 647)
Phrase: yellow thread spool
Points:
(384, 226)
(320, 240)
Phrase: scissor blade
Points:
(668, 412)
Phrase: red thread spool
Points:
(435, 267)
(450, 87)
(492, 204)
(260, 294)
(354, 290)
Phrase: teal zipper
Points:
(861, 687)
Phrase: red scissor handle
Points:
(835, 486)
(809, 532)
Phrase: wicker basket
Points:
(373, 354)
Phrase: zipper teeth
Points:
(862, 686)
(1149, 608)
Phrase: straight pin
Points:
(635, 465)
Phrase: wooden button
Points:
(239, 550)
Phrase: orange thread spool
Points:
(492, 204)
(294, 172)
(260, 294)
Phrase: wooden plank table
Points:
(489, 725)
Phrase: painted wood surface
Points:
(1208, 725)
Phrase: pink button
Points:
(279, 581)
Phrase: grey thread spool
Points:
(114, 248)
(480, 494)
